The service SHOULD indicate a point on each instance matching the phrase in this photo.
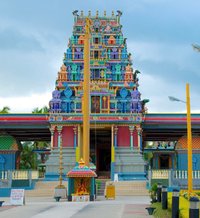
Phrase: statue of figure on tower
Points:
(55, 103)
(135, 101)
(135, 94)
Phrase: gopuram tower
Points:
(116, 108)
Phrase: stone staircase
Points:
(101, 184)
(122, 188)
(130, 188)
(43, 189)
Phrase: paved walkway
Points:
(122, 207)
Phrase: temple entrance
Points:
(164, 161)
(100, 150)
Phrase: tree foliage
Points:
(41, 145)
(42, 110)
(28, 159)
(5, 110)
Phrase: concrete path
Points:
(122, 207)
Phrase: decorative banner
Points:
(17, 197)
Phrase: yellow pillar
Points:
(78, 145)
(108, 104)
(112, 145)
(189, 140)
(86, 94)
(60, 163)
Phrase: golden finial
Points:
(89, 13)
(81, 13)
(97, 13)
(81, 162)
(104, 13)
(113, 14)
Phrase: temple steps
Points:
(122, 188)
(130, 188)
(101, 184)
(43, 189)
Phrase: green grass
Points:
(159, 212)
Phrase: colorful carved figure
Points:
(135, 101)
(55, 103)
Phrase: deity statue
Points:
(135, 101)
(82, 190)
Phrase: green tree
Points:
(28, 159)
(42, 110)
(5, 110)
(41, 145)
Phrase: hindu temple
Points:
(116, 107)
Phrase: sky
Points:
(34, 36)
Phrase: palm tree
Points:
(28, 159)
(5, 110)
(42, 110)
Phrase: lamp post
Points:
(189, 135)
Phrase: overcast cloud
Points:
(34, 35)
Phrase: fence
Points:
(174, 177)
(7, 177)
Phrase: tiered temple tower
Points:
(115, 102)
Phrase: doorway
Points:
(164, 162)
(100, 150)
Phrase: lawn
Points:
(183, 208)
(159, 212)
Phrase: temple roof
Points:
(81, 171)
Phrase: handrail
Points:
(176, 174)
(19, 174)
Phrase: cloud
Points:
(158, 91)
(12, 39)
(176, 63)
(26, 73)
(29, 62)
(26, 104)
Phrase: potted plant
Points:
(153, 193)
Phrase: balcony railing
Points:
(176, 174)
(19, 174)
